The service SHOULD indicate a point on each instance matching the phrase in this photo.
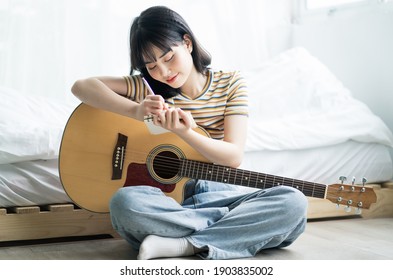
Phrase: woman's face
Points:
(172, 67)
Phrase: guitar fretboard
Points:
(218, 173)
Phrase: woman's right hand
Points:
(151, 105)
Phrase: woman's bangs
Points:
(145, 48)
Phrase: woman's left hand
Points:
(175, 120)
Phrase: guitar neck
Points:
(223, 174)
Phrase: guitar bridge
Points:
(118, 156)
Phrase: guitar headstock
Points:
(357, 196)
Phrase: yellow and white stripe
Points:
(225, 94)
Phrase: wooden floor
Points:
(339, 239)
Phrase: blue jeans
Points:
(228, 221)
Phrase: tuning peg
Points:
(347, 209)
(364, 181)
(353, 184)
(358, 211)
(342, 179)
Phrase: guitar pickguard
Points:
(138, 175)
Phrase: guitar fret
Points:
(264, 181)
(228, 175)
(298, 185)
(254, 179)
(211, 172)
(202, 171)
(192, 169)
(183, 169)
(313, 188)
(285, 183)
(235, 176)
(198, 170)
(189, 169)
(223, 173)
(214, 173)
(307, 191)
(192, 165)
(278, 179)
(201, 165)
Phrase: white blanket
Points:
(297, 103)
(31, 127)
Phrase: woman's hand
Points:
(175, 120)
(152, 105)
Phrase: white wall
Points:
(357, 46)
(46, 45)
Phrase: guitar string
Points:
(170, 162)
(314, 188)
(164, 162)
(174, 163)
(255, 179)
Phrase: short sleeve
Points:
(138, 88)
(237, 99)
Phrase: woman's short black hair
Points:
(163, 28)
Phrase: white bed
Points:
(37, 182)
(326, 164)
(29, 183)
(304, 124)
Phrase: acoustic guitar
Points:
(102, 152)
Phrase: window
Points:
(305, 10)
(319, 4)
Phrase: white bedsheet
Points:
(38, 183)
(31, 183)
(31, 127)
(325, 164)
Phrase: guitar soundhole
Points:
(166, 165)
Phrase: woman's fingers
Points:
(154, 104)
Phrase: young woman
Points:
(216, 220)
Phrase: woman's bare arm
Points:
(108, 93)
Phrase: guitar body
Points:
(102, 152)
(94, 162)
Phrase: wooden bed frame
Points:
(52, 221)
(66, 220)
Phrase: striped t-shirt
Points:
(224, 94)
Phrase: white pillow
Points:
(297, 103)
(31, 127)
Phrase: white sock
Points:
(160, 247)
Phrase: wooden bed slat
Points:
(24, 209)
(29, 223)
(58, 207)
(66, 220)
